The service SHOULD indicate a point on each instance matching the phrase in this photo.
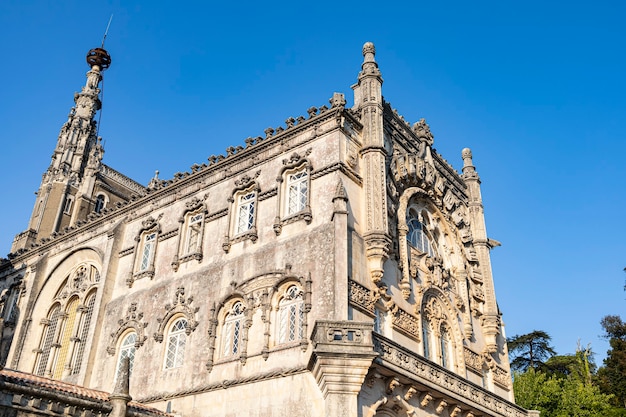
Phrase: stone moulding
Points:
(439, 379)
(225, 384)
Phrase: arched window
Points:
(417, 235)
(147, 251)
(231, 332)
(176, 340)
(83, 333)
(127, 350)
(426, 338)
(245, 212)
(297, 191)
(193, 238)
(49, 333)
(64, 338)
(291, 315)
(100, 202)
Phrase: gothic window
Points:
(445, 347)
(294, 187)
(232, 330)
(418, 235)
(100, 203)
(426, 336)
(148, 248)
(67, 206)
(83, 332)
(65, 330)
(193, 233)
(245, 212)
(145, 250)
(127, 350)
(297, 192)
(176, 341)
(65, 335)
(48, 336)
(291, 315)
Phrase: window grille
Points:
(176, 342)
(127, 350)
(418, 237)
(148, 251)
(64, 340)
(245, 212)
(297, 192)
(83, 334)
(291, 315)
(232, 330)
(47, 340)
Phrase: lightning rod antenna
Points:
(106, 31)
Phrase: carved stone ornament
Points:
(422, 131)
(80, 280)
(362, 297)
(406, 323)
(246, 179)
(134, 321)
(179, 306)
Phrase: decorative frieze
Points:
(361, 297)
(473, 360)
(406, 322)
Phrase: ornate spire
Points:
(66, 185)
(77, 145)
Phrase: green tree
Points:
(566, 393)
(612, 376)
(530, 351)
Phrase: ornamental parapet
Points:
(436, 378)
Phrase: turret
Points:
(490, 319)
(368, 100)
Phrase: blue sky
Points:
(537, 90)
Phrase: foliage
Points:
(563, 385)
(530, 351)
(612, 376)
(560, 396)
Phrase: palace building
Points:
(333, 266)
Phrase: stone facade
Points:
(337, 265)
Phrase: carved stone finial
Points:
(337, 100)
(369, 50)
(466, 153)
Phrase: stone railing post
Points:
(342, 355)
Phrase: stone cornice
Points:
(220, 170)
(437, 378)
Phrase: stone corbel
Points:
(425, 399)
(454, 411)
(440, 406)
